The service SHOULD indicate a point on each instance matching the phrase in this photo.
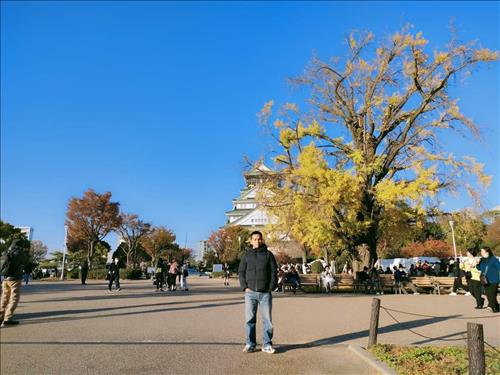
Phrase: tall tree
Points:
(8, 233)
(492, 238)
(157, 242)
(131, 230)
(371, 140)
(470, 230)
(38, 251)
(228, 242)
(91, 218)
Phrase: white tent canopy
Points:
(406, 262)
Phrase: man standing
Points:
(84, 271)
(258, 277)
(12, 271)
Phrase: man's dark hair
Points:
(257, 232)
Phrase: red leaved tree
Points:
(91, 218)
(429, 248)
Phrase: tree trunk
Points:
(90, 253)
(370, 212)
(325, 254)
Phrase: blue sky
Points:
(157, 101)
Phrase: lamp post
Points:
(64, 250)
(453, 238)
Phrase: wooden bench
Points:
(443, 283)
(311, 279)
(343, 281)
(424, 283)
(387, 282)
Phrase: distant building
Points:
(203, 248)
(246, 211)
(27, 231)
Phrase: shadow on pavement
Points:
(364, 334)
(30, 316)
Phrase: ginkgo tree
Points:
(368, 142)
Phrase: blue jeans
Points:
(252, 301)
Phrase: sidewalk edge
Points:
(371, 360)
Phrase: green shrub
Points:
(133, 274)
(217, 274)
(432, 360)
(74, 274)
(316, 267)
(98, 273)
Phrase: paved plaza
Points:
(69, 328)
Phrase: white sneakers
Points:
(268, 349)
(265, 349)
(248, 349)
(453, 294)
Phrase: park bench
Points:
(309, 279)
(424, 283)
(343, 281)
(386, 282)
(443, 283)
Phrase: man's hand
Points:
(247, 290)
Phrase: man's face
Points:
(256, 240)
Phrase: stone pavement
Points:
(69, 328)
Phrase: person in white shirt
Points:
(327, 279)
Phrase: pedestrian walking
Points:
(84, 271)
(184, 276)
(227, 273)
(476, 288)
(28, 268)
(466, 266)
(12, 271)
(160, 271)
(258, 277)
(489, 265)
(172, 275)
(114, 274)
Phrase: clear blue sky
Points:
(157, 101)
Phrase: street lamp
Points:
(64, 250)
(453, 237)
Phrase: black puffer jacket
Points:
(15, 260)
(258, 270)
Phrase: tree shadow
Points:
(31, 318)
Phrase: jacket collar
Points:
(262, 248)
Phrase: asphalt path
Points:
(69, 328)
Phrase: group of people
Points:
(482, 276)
(168, 274)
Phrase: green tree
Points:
(371, 139)
(38, 251)
(470, 230)
(131, 230)
(8, 233)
